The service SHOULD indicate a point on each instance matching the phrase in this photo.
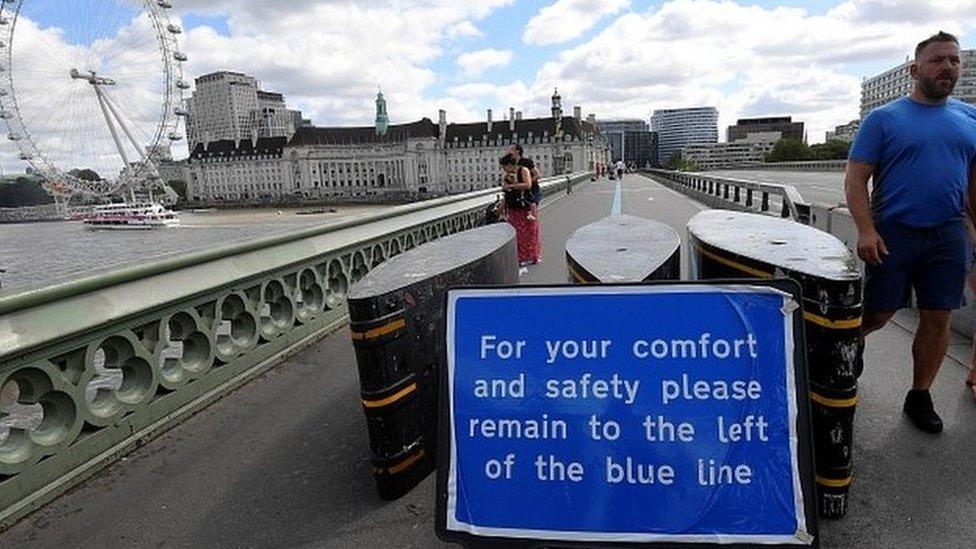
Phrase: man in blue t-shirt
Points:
(920, 151)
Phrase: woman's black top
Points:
(523, 198)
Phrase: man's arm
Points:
(870, 247)
(971, 203)
(970, 213)
(513, 184)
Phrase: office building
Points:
(844, 132)
(738, 154)
(630, 140)
(231, 106)
(783, 125)
(679, 128)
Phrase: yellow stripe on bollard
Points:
(381, 331)
(834, 483)
(833, 402)
(576, 276)
(407, 463)
(390, 399)
(734, 264)
(847, 324)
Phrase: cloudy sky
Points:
(615, 58)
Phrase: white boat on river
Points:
(134, 216)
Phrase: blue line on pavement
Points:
(615, 209)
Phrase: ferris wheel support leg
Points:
(115, 133)
(61, 205)
(125, 129)
(111, 125)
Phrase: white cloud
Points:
(327, 57)
(743, 59)
(564, 20)
(464, 29)
(477, 62)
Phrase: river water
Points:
(35, 255)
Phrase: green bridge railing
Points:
(106, 363)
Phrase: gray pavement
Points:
(282, 462)
(825, 188)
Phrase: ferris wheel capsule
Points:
(182, 84)
(174, 29)
(175, 136)
(14, 136)
(164, 4)
(179, 56)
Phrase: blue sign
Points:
(663, 413)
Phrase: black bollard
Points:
(744, 245)
(623, 248)
(396, 318)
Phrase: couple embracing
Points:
(520, 186)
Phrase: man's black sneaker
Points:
(918, 407)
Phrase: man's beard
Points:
(934, 89)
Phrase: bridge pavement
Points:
(282, 462)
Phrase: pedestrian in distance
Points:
(620, 167)
(516, 150)
(522, 205)
(919, 152)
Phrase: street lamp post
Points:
(559, 156)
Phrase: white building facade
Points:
(225, 171)
(896, 83)
(679, 128)
(404, 162)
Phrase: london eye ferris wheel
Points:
(91, 91)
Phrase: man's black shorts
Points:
(931, 261)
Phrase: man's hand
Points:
(871, 248)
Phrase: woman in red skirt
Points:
(522, 201)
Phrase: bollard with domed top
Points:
(623, 248)
(396, 318)
(729, 244)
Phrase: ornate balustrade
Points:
(93, 368)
